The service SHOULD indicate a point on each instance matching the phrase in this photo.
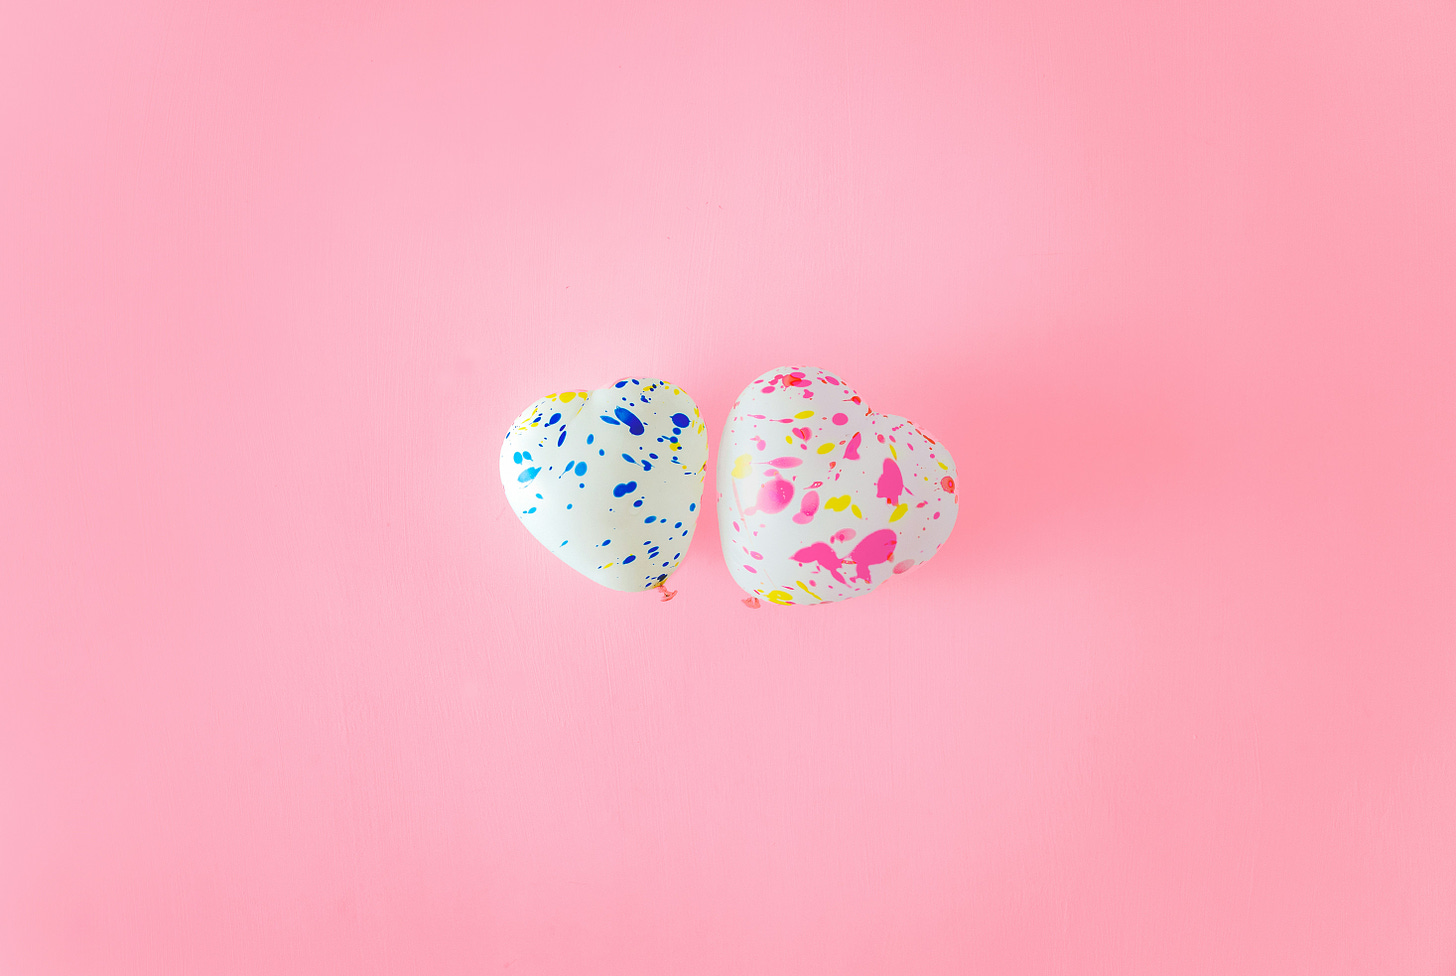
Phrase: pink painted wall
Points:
(284, 687)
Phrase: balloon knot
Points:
(665, 593)
(752, 603)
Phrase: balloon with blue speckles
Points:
(597, 477)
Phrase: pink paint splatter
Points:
(823, 554)
(891, 484)
(877, 547)
(839, 419)
(802, 433)
(773, 496)
(843, 535)
(851, 450)
(904, 566)
(786, 462)
(808, 505)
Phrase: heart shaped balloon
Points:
(821, 498)
(610, 480)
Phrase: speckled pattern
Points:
(611, 481)
(821, 498)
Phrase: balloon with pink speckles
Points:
(821, 498)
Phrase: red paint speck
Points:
(947, 483)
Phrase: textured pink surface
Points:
(285, 688)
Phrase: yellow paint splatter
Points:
(900, 510)
(893, 454)
(568, 396)
(781, 598)
(837, 504)
(742, 464)
(825, 448)
(788, 439)
(855, 510)
(803, 413)
(942, 465)
(808, 591)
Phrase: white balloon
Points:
(821, 498)
(610, 481)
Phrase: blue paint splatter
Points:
(552, 422)
(518, 457)
(630, 419)
(526, 455)
(650, 518)
(678, 526)
(646, 465)
(580, 468)
(527, 475)
(612, 420)
(629, 459)
(693, 507)
(562, 439)
(637, 503)
(628, 560)
(621, 490)
(606, 542)
(564, 541)
(681, 419)
(620, 384)
(590, 438)
(653, 456)
(601, 452)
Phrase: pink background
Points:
(285, 688)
